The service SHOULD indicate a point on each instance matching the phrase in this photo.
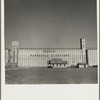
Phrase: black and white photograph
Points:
(50, 42)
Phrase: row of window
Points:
(48, 55)
(45, 51)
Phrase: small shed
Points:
(82, 65)
(57, 62)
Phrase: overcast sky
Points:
(50, 23)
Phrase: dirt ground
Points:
(51, 75)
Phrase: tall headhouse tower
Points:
(83, 47)
(14, 52)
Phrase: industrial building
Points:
(37, 57)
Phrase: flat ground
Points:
(51, 75)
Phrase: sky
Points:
(50, 23)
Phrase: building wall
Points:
(29, 57)
(92, 57)
(14, 55)
(39, 57)
(6, 56)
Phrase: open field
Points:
(51, 75)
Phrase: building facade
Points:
(38, 57)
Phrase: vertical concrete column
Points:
(70, 57)
(78, 56)
(19, 57)
(40, 57)
(6, 56)
(21, 52)
(32, 57)
(45, 57)
(23, 57)
(25, 60)
(27, 56)
(29, 51)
